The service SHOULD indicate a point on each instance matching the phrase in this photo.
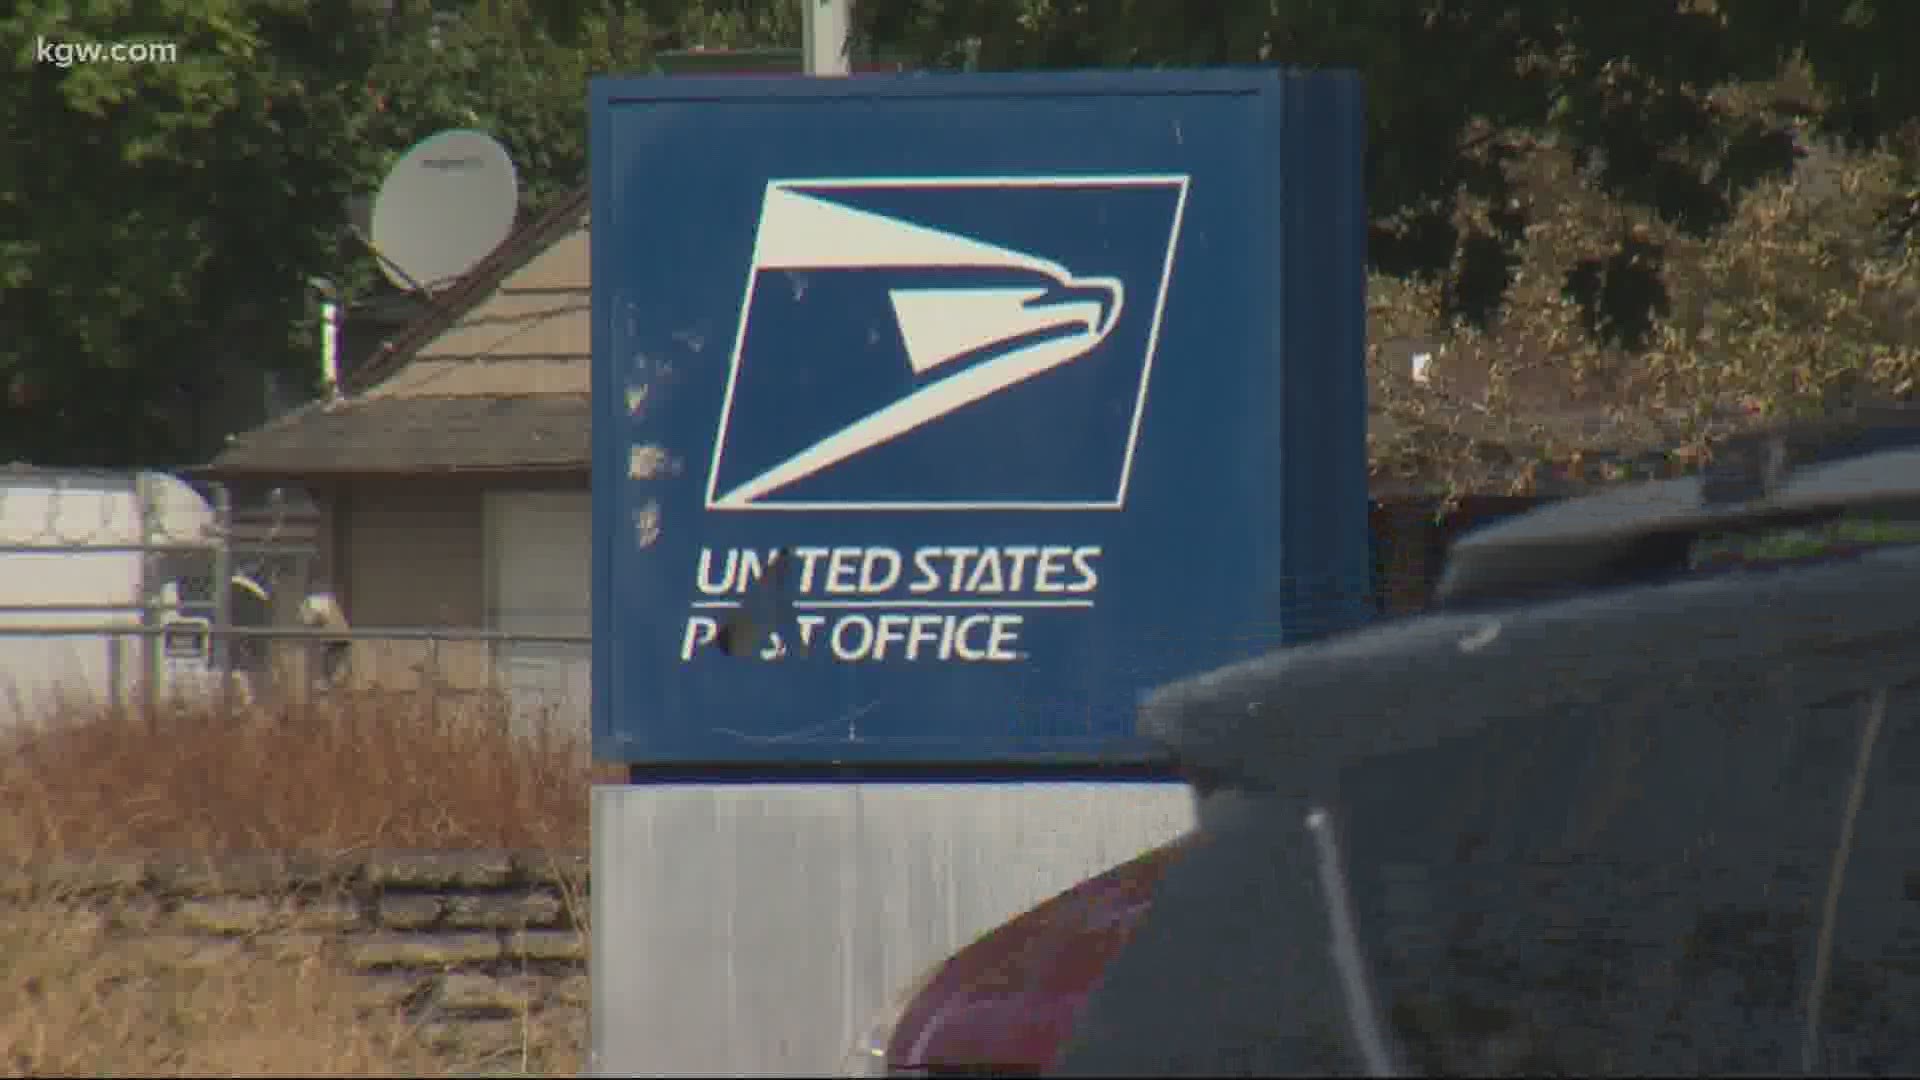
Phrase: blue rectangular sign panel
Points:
(936, 418)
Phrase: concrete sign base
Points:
(756, 929)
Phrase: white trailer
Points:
(83, 552)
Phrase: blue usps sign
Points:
(936, 418)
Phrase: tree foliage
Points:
(1804, 301)
(161, 222)
(157, 218)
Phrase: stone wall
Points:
(474, 944)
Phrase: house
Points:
(451, 471)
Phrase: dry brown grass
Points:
(357, 772)
(78, 998)
(77, 1001)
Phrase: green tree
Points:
(159, 220)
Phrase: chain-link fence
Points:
(537, 682)
(122, 589)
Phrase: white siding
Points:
(539, 546)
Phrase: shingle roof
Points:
(417, 434)
(480, 283)
(495, 403)
(507, 376)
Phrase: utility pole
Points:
(825, 26)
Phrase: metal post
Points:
(431, 676)
(116, 674)
(825, 27)
(219, 646)
(150, 530)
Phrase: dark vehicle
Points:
(1641, 796)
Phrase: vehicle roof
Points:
(1576, 542)
(1293, 717)
(1802, 470)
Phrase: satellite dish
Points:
(447, 204)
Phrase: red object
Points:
(1007, 1002)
